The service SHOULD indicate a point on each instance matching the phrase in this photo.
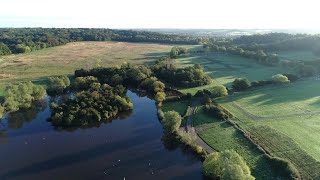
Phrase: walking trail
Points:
(190, 129)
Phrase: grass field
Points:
(280, 145)
(224, 68)
(62, 60)
(297, 99)
(297, 55)
(178, 106)
(222, 136)
(284, 119)
(292, 109)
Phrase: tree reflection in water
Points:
(17, 119)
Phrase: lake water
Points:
(130, 147)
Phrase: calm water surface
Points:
(130, 147)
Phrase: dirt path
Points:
(190, 129)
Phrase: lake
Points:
(132, 146)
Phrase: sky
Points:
(194, 14)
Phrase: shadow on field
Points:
(297, 92)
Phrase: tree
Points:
(226, 165)
(240, 84)
(218, 91)
(160, 96)
(158, 86)
(174, 52)
(280, 79)
(171, 121)
(1, 111)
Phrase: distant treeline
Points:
(280, 41)
(22, 40)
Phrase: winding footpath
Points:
(190, 129)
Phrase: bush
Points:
(218, 111)
(226, 165)
(240, 84)
(171, 121)
(280, 79)
(284, 168)
(190, 141)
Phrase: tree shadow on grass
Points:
(276, 94)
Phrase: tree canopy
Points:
(171, 121)
(226, 165)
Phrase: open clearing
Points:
(222, 136)
(63, 60)
(283, 119)
(292, 109)
(224, 68)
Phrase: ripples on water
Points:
(132, 146)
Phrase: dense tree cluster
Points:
(258, 54)
(264, 38)
(278, 41)
(20, 96)
(98, 103)
(23, 40)
(191, 76)
(176, 51)
(129, 76)
(226, 165)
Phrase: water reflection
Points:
(16, 120)
(120, 116)
(131, 147)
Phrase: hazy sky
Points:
(279, 14)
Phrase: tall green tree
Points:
(226, 165)
(171, 121)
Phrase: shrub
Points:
(171, 121)
(218, 111)
(226, 165)
(189, 140)
(283, 167)
(280, 79)
(240, 84)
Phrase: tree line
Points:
(23, 40)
